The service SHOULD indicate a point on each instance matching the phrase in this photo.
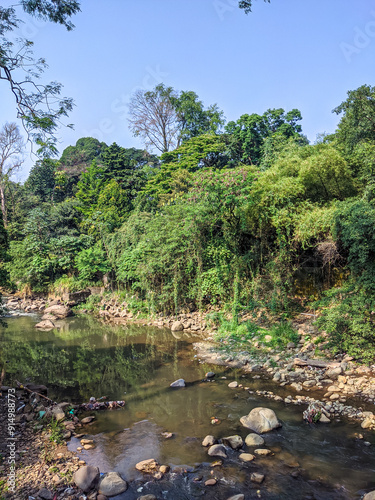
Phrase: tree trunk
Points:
(3, 208)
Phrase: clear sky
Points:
(303, 54)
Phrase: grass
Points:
(56, 432)
(278, 334)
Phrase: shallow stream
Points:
(85, 358)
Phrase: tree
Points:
(85, 150)
(39, 106)
(164, 118)
(42, 180)
(11, 150)
(358, 118)
(249, 133)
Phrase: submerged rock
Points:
(261, 420)
(254, 440)
(256, 477)
(45, 325)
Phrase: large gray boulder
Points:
(261, 420)
(112, 484)
(59, 311)
(86, 477)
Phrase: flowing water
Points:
(84, 358)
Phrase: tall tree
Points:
(11, 158)
(39, 106)
(164, 118)
(357, 123)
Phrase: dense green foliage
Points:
(250, 218)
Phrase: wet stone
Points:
(217, 450)
(209, 440)
(256, 477)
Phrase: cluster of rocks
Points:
(298, 368)
(117, 311)
(261, 420)
(52, 311)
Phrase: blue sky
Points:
(302, 54)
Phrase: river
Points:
(84, 358)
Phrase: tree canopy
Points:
(39, 106)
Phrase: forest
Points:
(241, 215)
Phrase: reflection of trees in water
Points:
(85, 358)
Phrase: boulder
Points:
(45, 325)
(217, 450)
(59, 311)
(149, 465)
(235, 442)
(177, 326)
(254, 440)
(178, 383)
(86, 477)
(112, 484)
(260, 420)
(370, 495)
(209, 440)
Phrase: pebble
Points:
(256, 477)
(210, 482)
